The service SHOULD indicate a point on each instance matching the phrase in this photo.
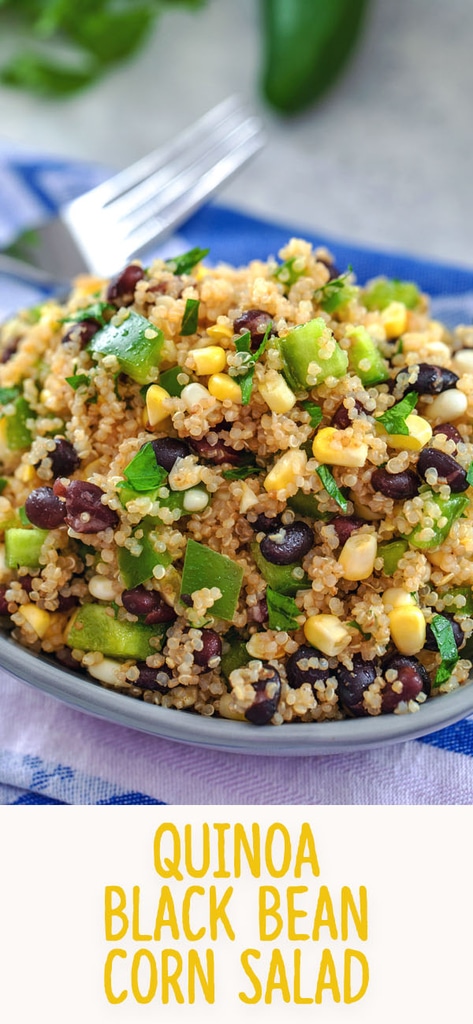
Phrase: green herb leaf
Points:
(8, 395)
(315, 412)
(190, 319)
(245, 379)
(3, 483)
(287, 273)
(469, 474)
(95, 312)
(394, 419)
(442, 629)
(77, 380)
(143, 472)
(366, 636)
(331, 487)
(185, 263)
(241, 472)
(282, 611)
(335, 293)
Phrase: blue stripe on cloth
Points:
(457, 738)
(28, 779)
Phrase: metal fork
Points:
(122, 218)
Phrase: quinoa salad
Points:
(241, 492)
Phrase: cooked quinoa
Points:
(243, 492)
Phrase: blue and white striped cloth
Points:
(51, 753)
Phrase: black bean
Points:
(398, 486)
(293, 542)
(450, 432)
(430, 380)
(45, 509)
(64, 656)
(152, 678)
(333, 271)
(267, 524)
(352, 684)
(26, 582)
(10, 350)
(267, 692)
(413, 676)
(344, 526)
(64, 458)
(259, 612)
(341, 419)
(296, 675)
(256, 322)
(431, 640)
(85, 512)
(66, 603)
(151, 604)
(82, 331)
(217, 453)
(448, 470)
(3, 600)
(212, 648)
(168, 449)
(121, 291)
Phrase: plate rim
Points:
(295, 740)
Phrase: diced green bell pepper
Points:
(306, 504)
(136, 343)
(301, 347)
(384, 291)
(452, 508)
(279, 577)
(136, 569)
(364, 350)
(23, 546)
(18, 435)
(204, 567)
(391, 551)
(93, 629)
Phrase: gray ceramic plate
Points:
(220, 734)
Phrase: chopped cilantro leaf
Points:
(77, 380)
(442, 629)
(331, 487)
(315, 412)
(93, 312)
(185, 263)
(143, 472)
(241, 472)
(245, 378)
(8, 395)
(366, 636)
(394, 419)
(190, 318)
(335, 293)
(3, 483)
(469, 474)
(282, 611)
(288, 273)
(23, 517)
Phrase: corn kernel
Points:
(223, 387)
(327, 633)
(420, 433)
(248, 499)
(157, 408)
(25, 473)
(102, 588)
(337, 448)
(286, 470)
(196, 396)
(227, 708)
(394, 319)
(396, 597)
(357, 556)
(37, 618)
(276, 393)
(220, 331)
(449, 406)
(211, 359)
(407, 626)
(107, 671)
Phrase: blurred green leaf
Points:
(40, 75)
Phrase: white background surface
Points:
(386, 159)
(52, 942)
